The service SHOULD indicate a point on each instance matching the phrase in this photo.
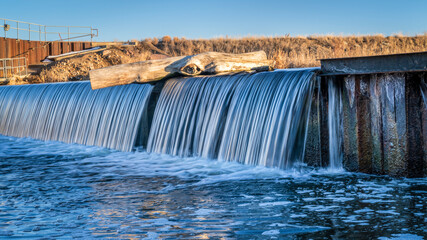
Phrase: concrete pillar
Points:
(424, 121)
(393, 123)
(376, 124)
(363, 123)
(350, 144)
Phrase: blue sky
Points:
(131, 19)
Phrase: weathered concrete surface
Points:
(424, 120)
(384, 113)
(394, 123)
(363, 123)
(384, 121)
(376, 124)
(415, 151)
(375, 64)
(351, 155)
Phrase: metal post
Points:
(4, 69)
(4, 29)
(29, 32)
(69, 48)
(17, 30)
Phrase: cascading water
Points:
(267, 120)
(423, 89)
(335, 125)
(190, 115)
(73, 113)
(257, 119)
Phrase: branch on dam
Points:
(154, 70)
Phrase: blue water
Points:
(56, 190)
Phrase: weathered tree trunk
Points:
(153, 70)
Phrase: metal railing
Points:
(16, 29)
(10, 67)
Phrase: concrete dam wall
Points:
(382, 113)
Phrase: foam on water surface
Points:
(106, 193)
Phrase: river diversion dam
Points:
(243, 155)
(350, 114)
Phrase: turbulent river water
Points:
(57, 190)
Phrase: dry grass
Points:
(288, 52)
(77, 68)
(291, 52)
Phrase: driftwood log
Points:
(154, 70)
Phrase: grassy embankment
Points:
(288, 52)
(291, 52)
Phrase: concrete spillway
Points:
(366, 115)
(73, 113)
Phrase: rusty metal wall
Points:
(36, 51)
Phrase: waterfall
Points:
(423, 89)
(190, 115)
(73, 113)
(258, 119)
(267, 121)
(335, 125)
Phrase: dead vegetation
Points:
(292, 52)
(288, 52)
(77, 68)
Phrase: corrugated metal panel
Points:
(2, 48)
(36, 51)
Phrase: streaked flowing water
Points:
(335, 125)
(53, 190)
(190, 115)
(267, 120)
(257, 119)
(74, 113)
(423, 89)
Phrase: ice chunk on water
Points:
(271, 232)
(402, 237)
